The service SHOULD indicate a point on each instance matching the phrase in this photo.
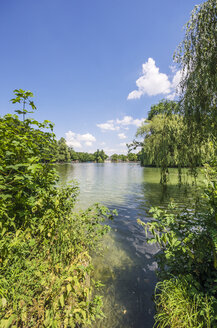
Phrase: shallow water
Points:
(127, 264)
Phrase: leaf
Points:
(61, 300)
(4, 302)
(69, 288)
(7, 323)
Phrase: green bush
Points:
(45, 266)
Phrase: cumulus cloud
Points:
(128, 120)
(86, 137)
(114, 125)
(109, 125)
(76, 140)
(122, 136)
(151, 82)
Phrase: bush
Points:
(45, 266)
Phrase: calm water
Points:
(127, 264)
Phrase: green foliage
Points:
(119, 158)
(45, 266)
(187, 241)
(197, 56)
(85, 157)
(100, 156)
(63, 152)
(22, 97)
(187, 260)
(178, 306)
(66, 154)
(166, 107)
(181, 237)
(130, 157)
(167, 142)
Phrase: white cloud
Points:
(88, 143)
(122, 136)
(86, 137)
(115, 125)
(128, 120)
(75, 140)
(152, 82)
(109, 125)
(123, 144)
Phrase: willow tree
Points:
(197, 56)
(166, 143)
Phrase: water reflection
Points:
(127, 264)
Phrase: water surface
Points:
(127, 264)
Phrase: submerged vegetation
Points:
(45, 263)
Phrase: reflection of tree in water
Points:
(63, 171)
(156, 194)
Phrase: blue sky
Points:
(95, 67)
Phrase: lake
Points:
(127, 266)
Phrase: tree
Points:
(22, 97)
(132, 157)
(100, 156)
(73, 154)
(63, 154)
(197, 56)
(167, 107)
(114, 158)
(167, 142)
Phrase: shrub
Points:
(45, 263)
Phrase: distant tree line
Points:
(130, 157)
(65, 154)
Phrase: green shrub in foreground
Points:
(45, 266)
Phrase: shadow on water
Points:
(126, 266)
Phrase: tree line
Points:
(66, 154)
